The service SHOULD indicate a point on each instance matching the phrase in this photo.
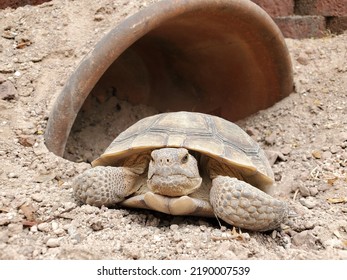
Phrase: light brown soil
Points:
(305, 136)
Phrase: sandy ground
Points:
(305, 136)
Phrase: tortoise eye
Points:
(184, 158)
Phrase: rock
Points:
(74, 234)
(15, 228)
(26, 140)
(271, 139)
(304, 238)
(69, 205)
(313, 191)
(274, 156)
(309, 202)
(37, 197)
(44, 227)
(174, 227)
(286, 150)
(59, 232)
(97, 225)
(55, 225)
(304, 190)
(177, 237)
(4, 236)
(88, 209)
(34, 228)
(317, 154)
(12, 175)
(7, 91)
(53, 243)
(41, 178)
(99, 17)
(303, 59)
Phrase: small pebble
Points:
(317, 154)
(309, 202)
(334, 149)
(313, 191)
(304, 238)
(286, 150)
(88, 209)
(97, 225)
(4, 237)
(34, 228)
(37, 197)
(53, 242)
(174, 227)
(4, 221)
(177, 237)
(74, 235)
(271, 139)
(69, 205)
(304, 190)
(71, 229)
(12, 175)
(59, 232)
(15, 228)
(303, 59)
(45, 227)
(26, 140)
(55, 225)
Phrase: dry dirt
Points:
(305, 136)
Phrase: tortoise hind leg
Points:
(105, 185)
(242, 205)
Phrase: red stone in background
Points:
(300, 27)
(277, 8)
(321, 7)
(337, 24)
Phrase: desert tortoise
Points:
(185, 163)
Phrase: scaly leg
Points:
(242, 205)
(105, 185)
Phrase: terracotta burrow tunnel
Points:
(226, 58)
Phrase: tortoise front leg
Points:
(105, 185)
(242, 205)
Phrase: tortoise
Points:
(186, 163)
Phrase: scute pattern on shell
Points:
(207, 134)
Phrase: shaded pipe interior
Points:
(227, 58)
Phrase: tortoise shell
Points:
(209, 135)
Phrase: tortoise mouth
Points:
(173, 185)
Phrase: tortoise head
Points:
(173, 172)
